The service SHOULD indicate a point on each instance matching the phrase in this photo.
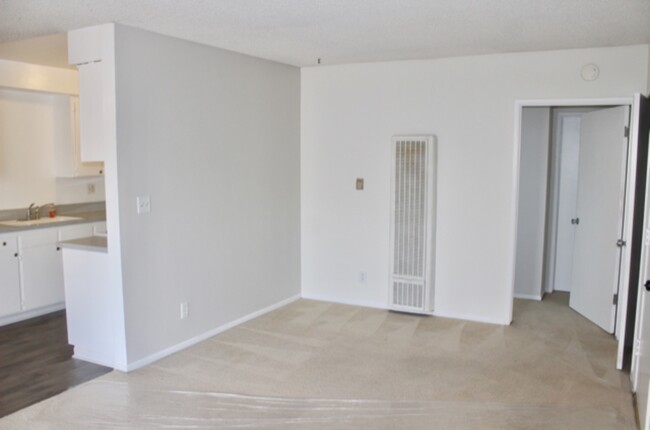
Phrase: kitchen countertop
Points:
(91, 243)
(86, 217)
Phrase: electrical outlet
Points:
(143, 204)
(91, 188)
(185, 310)
(362, 277)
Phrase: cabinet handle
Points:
(15, 254)
(4, 243)
(58, 248)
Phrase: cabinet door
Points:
(93, 125)
(41, 269)
(67, 141)
(80, 168)
(9, 277)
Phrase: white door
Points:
(601, 200)
(567, 201)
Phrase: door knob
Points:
(575, 221)
(647, 285)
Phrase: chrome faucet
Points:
(33, 212)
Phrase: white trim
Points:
(623, 289)
(537, 297)
(10, 319)
(196, 339)
(468, 317)
(641, 303)
(331, 299)
(365, 304)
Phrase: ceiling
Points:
(299, 32)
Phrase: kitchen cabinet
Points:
(92, 50)
(41, 268)
(94, 126)
(31, 270)
(9, 276)
(67, 153)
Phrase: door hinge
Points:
(626, 132)
(615, 300)
(621, 243)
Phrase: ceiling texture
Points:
(298, 32)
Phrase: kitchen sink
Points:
(40, 221)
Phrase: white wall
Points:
(29, 123)
(531, 215)
(349, 114)
(213, 138)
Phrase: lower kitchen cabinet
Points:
(9, 276)
(42, 269)
(31, 270)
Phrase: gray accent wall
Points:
(213, 138)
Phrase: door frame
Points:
(629, 195)
(635, 129)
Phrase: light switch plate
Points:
(143, 204)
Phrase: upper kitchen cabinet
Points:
(67, 153)
(92, 50)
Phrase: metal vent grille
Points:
(412, 210)
(408, 294)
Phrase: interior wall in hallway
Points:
(531, 216)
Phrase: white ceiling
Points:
(299, 32)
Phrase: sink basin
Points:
(40, 221)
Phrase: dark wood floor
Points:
(36, 362)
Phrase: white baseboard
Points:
(196, 339)
(343, 301)
(537, 297)
(10, 319)
(473, 318)
(366, 304)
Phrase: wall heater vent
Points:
(412, 236)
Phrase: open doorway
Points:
(577, 181)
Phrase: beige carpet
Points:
(316, 365)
